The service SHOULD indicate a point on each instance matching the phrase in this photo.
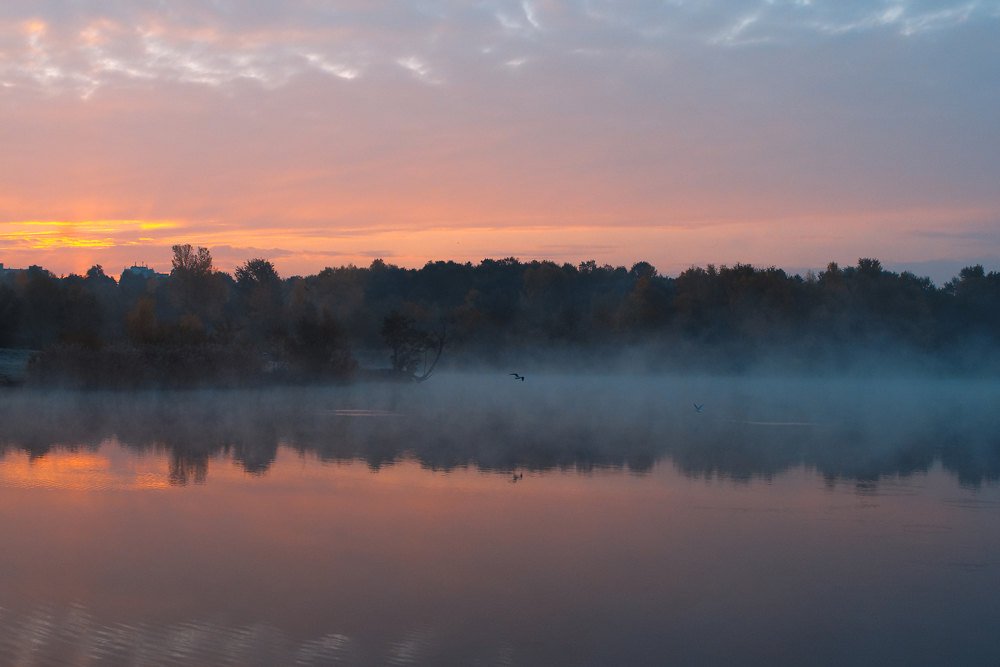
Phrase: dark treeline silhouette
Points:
(197, 322)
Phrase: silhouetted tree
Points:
(141, 323)
(255, 272)
(194, 287)
(260, 293)
(316, 345)
(44, 308)
(11, 307)
(406, 343)
(95, 276)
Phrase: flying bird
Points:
(518, 377)
(697, 408)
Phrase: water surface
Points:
(836, 522)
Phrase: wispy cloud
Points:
(272, 42)
(351, 127)
(906, 20)
(735, 34)
(529, 13)
(418, 68)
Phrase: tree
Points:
(141, 326)
(256, 272)
(258, 287)
(407, 344)
(642, 270)
(436, 340)
(96, 276)
(11, 306)
(410, 345)
(191, 262)
(44, 307)
(316, 345)
(194, 287)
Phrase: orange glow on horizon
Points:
(321, 141)
(303, 248)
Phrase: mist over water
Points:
(793, 520)
(843, 427)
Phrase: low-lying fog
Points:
(851, 428)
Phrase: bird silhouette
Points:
(697, 408)
(518, 377)
(517, 477)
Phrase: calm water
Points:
(836, 522)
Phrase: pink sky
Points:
(327, 133)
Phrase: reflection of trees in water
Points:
(973, 465)
(249, 427)
(746, 455)
(184, 466)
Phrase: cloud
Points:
(419, 68)
(270, 42)
(974, 235)
(733, 35)
(439, 129)
(529, 13)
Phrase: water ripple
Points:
(73, 637)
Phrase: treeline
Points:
(317, 325)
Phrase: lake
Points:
(479, 520)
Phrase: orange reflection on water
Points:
(567, 561)
(83, 470)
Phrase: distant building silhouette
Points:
(6, 271)
(143, 271)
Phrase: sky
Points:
(320, 133)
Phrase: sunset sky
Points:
(325, 132)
